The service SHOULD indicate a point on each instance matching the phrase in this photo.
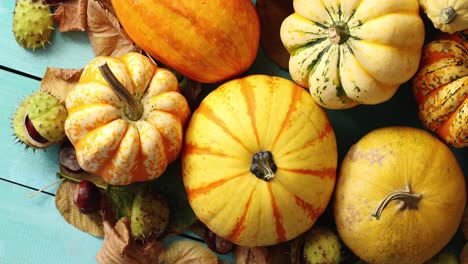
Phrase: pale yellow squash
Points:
(353, 52)
(447, 15)
(400, 196)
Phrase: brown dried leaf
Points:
(71, 15)
(252, 255)
(106, 35)
(464, 254)
(89, 223)
(120, 247)
(58, 82)
(188, 252)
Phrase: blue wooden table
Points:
(31, 229)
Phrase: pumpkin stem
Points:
(338, 33)
(133, 110)
(263, 166)
(447, 15)
(410, 201)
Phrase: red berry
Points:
(87, 197)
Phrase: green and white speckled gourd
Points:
(353, 52)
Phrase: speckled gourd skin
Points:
(32, 23)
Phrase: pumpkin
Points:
(353, 52)
(441, 88)
(400, 196)
(207, 41)
(126, 120)
(447, 15)
(259, 161)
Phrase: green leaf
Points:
(122, 198)
(170, 184)
(78, 177)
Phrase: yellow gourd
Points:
(400, 196)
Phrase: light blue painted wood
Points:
(68, 50)
(35, 169)
(33, 231)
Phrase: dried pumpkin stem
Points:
(133, 109)
(447, 15)
(409, 199)
(338, 33)
(263, 166)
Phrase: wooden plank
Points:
(35, 169)
(68, 50)
(33, 231)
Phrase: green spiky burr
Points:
(39, 121)
(32, 23)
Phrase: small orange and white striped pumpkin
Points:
(259, 161)
(120, 144)
(441, 88)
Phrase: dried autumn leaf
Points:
(71, 15)
(120, 247)
(106, 35)
(464, 254)
(189, 252)
(252, 255)
(58, 82)
(89, 223)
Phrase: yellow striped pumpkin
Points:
(121, 144)
(441, 88)
(259, 160)
(207, 41)
(353, 52)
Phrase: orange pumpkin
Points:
(259, 161)
(207, 41)
(400, 196)
(441, 88)
(131, 135)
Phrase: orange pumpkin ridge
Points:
(193, 149)
(325, 132)
(193, 193)
(296, 95)
(240, 225)
(211, 115)
(280, 232)
(329, 173)
(249, 98)
(312, 212)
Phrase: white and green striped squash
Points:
(353, 52)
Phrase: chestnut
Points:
(67, 158)
(217, 243)
(87, 196)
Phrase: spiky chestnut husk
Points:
(150, 215)
(39, 120)
(32, 23)
(321, 245)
